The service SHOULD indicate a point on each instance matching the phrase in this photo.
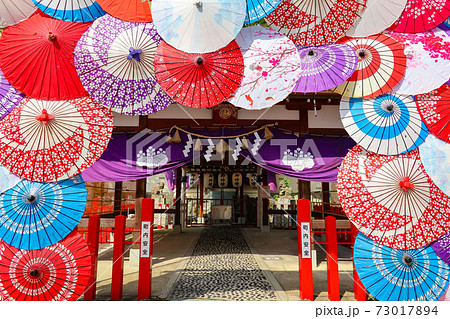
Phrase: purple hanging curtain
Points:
(305, 158)
(171, 177)
(129, 158)
(272, 181)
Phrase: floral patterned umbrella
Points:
(58, 272)
(272, 68)
(400, 275)
(428, 61)
(35, 215)
(435, 155)
(199, 26)
(199, 80)
(422, 15)
(115, 62)
(9, 96)
(52, 140)
(381, 66)
(434, 108)
(391, 199)
(14, 11)
(315, 22)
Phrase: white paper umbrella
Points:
(14, 11)
(272, 68)
(388, 124)
(199, 26)
(377, 17)
(428, 61)
(435, 155)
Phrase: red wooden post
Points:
(118, 258)
(360, 290)
(92, 240)
(305, 262)
(146, 253)
(332, 259)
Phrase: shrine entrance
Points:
(220, 194)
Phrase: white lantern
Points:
(237, 179)
(222, 180)
(208, 180)
(253, 179)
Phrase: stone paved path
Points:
(222, 267)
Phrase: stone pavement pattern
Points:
(222, 267)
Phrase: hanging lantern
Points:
(253, 177)
(208, 180)
(223, 180)
(193, 178)
(237, 179)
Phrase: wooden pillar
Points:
(326, 197)
(241, 202)
(140, 194)
(303, 123)
(202, 190)
(304, 189)
(118, 197)
(178, 197)
(265, 209)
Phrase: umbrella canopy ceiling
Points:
(272, 68)
(325, 67)
(199, 80)
(14, 11)
(391, 199)
(400, 275)
(434, 108)
(9, 96)
(52, 140)
(71, 10)
(381, 66)
(428, 61)
(35, 215)
(128, 10)
(316, 22)
(435, 155)
(377, 17)
(199, 26)
(422, 15)
(388, 124)
(58, 272)
(259, 9)
(119, 55)
(37, 57)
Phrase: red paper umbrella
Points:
(199, 80)
(58, 272)
(422, 15)
(128, 10)
(51, 140)
(391, 199)
(315, 22)
(381, 66)
(37, 57)
(434, 108)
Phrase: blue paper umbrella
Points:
(71, 10)
(35, 215)
(258, 9)
(388, 124)
(400, 275)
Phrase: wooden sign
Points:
(225, 115)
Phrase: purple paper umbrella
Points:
(114, 60)
(442, 247)
(325, 67)
(9, 96)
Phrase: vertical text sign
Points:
(145, 239)
(306, 241)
